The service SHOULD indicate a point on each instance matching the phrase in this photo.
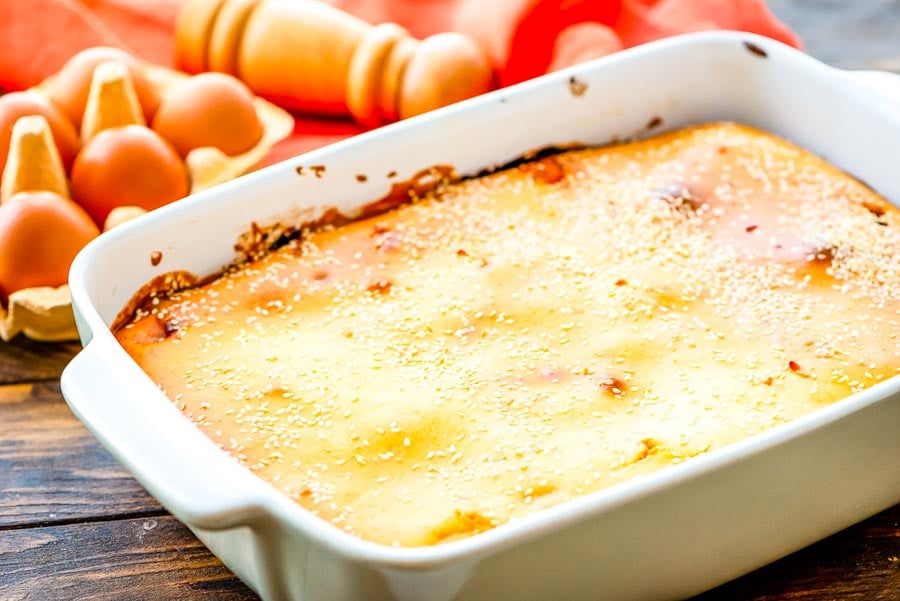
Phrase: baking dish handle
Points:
(152, 442)
(884, 84)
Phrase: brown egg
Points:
(210, 109)
(22, 104)
(69, 88)
(40, 234)
(127, 166)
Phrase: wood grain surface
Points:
(140, 559)
(74, 525)
(29, 361)
(53, 469)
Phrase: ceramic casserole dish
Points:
(668, 535)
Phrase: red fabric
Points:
(524, 38)
(582, 42)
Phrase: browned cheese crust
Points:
(523, 338)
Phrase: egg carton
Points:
(45, 314)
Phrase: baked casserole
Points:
(511, 341)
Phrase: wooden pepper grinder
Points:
(310, 56)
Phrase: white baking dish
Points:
(665, 536)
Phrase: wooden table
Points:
(74, 525)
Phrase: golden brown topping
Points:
(387, 241)
(380, 286)
(611, 384)
(502, 344)
(547, 170)
(460, 524)
(648, 446)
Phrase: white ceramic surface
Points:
(665, 536)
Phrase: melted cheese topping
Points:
(519, 339)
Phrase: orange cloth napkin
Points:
(524, 38)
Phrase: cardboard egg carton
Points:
(44, 313)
